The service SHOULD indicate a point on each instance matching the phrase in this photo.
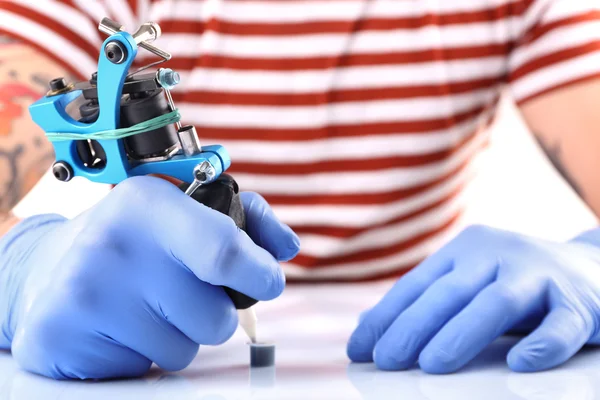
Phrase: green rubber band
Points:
(114, 134)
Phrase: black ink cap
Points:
(262, 355)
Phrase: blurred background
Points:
(516, 188)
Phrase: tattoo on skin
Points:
(553, 152)
(25, 155)
(7, 221)
(40, 80)
(4, 217)
(12, 153)
(9, 194)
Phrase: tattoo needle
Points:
(247, 317)
(248, 322)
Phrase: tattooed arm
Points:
(24, 153)
(566, 124)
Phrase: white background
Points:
(518, 189)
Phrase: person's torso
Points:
(356, 119)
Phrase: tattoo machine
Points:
(121, 124)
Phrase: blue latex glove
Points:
(134, 280)
(482, 284)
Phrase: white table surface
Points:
(310, 326)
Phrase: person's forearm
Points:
(566, 123)
(25, 154)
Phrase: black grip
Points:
(223, 195)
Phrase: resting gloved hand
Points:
(134, 280)
(482, 284)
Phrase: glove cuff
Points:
(15, 247)
(591, 237)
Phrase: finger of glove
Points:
(378, 319)
(562, 334)
(402, 343)
(266, 230)
(101, 294)
(209, 244)
(141, 328)
(204, 313)
(491, 313)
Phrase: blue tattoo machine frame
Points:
(121, 124)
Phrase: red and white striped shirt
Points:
(356, 119)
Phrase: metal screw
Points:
(148, 32)
(62, 171)
(111, 27)
(58, 84)
(188, 138)
(115, 52)
(203, 173)
(168, 78)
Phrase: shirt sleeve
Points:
(64, 30)
(558, 45)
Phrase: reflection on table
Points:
(310, 326)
